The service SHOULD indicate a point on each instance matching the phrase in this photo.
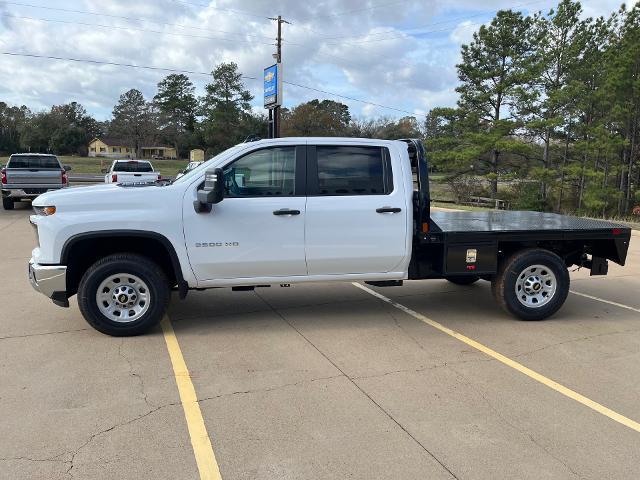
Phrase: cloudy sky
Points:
(395, 53)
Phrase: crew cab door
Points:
(357, 214)
(257, 230)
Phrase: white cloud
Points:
(402, 54)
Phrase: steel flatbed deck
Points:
(516, 224)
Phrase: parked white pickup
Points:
(127, 171)
(293, 210)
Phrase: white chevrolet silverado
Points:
(294, 210)
(127, 171)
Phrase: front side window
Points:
(103, 149)
(351, 170)
(264, 173)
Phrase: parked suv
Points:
(27, 175)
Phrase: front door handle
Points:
(388, 210)
(286, 211)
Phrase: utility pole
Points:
(274, 113)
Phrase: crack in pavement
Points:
(269, 389)
(27, 335)
(580, 339)
(135, 375)
(355, 384)
(498, 414)
(93, 436)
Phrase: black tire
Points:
(504, 284)
(463, 279)
(149, 272)
(7, 203)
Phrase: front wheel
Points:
(123, 295)
(532, 284)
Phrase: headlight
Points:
(44, 211)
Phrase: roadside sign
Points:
(273, 86)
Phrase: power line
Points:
(134, 19)
(129, 29)
(353, 99)
(192, 72)
(116, 64)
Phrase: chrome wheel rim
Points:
(123, 298)
(536, 286)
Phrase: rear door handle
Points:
(286, 211)
(388, 210)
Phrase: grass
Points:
(94, 165)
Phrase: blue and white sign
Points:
(273, 86)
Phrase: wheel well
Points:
(570, 251)
(80, 253)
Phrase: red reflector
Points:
(616, 231)
(64, 178)
(4, 176)
(471, 267)
(114, 178)
(425, 228)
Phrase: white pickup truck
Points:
(293, 210)
(128, 171)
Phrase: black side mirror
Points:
(67, 168)
(212, 192)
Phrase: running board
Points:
(385, 283)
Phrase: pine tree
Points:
(177, 106)
(225, 106)
(494, 66)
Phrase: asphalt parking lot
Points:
(322, 381)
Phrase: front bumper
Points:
(50, 280)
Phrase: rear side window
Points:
(34, 161)
(135, 167)
(346, 170)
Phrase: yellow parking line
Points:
(567, 392)
(202, 449)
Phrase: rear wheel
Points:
(532, 284)
(123, 295)
(463, 279)
(7, 203)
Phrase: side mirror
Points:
(104, 170)
(67, 168)
(212, 192)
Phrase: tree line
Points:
(175, 116)
(548, 115)
(550, 105)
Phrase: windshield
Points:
(128, 166)
(34, 161)
(196, 171)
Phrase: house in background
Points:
(159, 152)
(110, 147)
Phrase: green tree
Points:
(177, 105)
(134, 119)
(317, 118)
(494, 67)
(225, 108)
(12, 122)
(545, 100)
